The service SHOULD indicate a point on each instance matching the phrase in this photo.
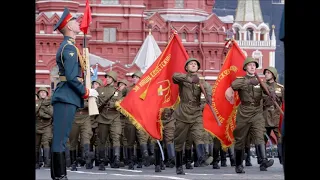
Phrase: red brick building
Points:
(119, 28)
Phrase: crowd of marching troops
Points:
(111, 139)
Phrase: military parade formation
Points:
(68, 137)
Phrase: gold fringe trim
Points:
(137, 124)
(229, 122)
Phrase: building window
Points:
(184, 37)
(249, 34)
(179, 4)
(196, 37)
(237, 34)
(109, 35)
(109, 1)
(262, 34)
(257, 55)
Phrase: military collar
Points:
(270, 83)
(69, 39)
(249, 76)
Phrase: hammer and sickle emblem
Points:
(161, 90)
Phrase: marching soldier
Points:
(136, 135)
(69, 94)
(249, 119)
(81, 126)
(109, 123)
(122, 84)
(44, 113)
(270, 112)
(94, 124)
(188, 114)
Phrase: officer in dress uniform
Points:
(69, 94)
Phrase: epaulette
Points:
(280, 85)
(240, 77)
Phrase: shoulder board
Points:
(240, 77)
(280, 85)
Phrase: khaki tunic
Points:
(249, 117)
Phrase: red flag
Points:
(155, 90)
(281, 117)
(86, 20)
(225, 111)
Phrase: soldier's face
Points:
(43, 94)
(135, 79)
(121, 86)
(251, 68)
(192, 66)
(268, 75)
(74, 26)
(95, 85)
(109, 80)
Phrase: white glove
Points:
(93, 93)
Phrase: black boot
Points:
(157, 160)
(171, 155)
(41, 161)
(102, 157)
(37, 159)
(130, 158)
(231, 156)
(195, 157)
(96, 156)
(179, 168)
(67, 155)
(116, 157)
(188, 155)
(239, 160)
(145, 154)
(202, 158)
(223, 156)
(279, 148)
(259, 160)
(265, 163)
(121, 163)
(73, 159)
(110, 157)
(139, 158)
(125, 155)
(151, 153)
(88, 156)
(210, 150)
(248, 154)
(46, 156)
(80, 155)
(216, 157)
(58, 166)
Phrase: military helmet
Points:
(137, 73)
(98, 81)
(273, 71)
(112, 74)
(249, 60)
(43, 89)
(124, 81)
(189, 60)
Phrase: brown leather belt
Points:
(191, 103)
(250, 104)
(63, 79)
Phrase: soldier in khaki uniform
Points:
(188, 114)
(109, 123)
(122, 84)
(249, 117)
(136, 135)
(81, 126)
(94, 141)
(270, 112)
(44, 113)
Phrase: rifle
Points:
(267, 91)
(92, 104)
(207, 98)
(106, 102)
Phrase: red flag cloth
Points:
(281, 117)
(226, 112)
(86, 20)
(155, 90)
